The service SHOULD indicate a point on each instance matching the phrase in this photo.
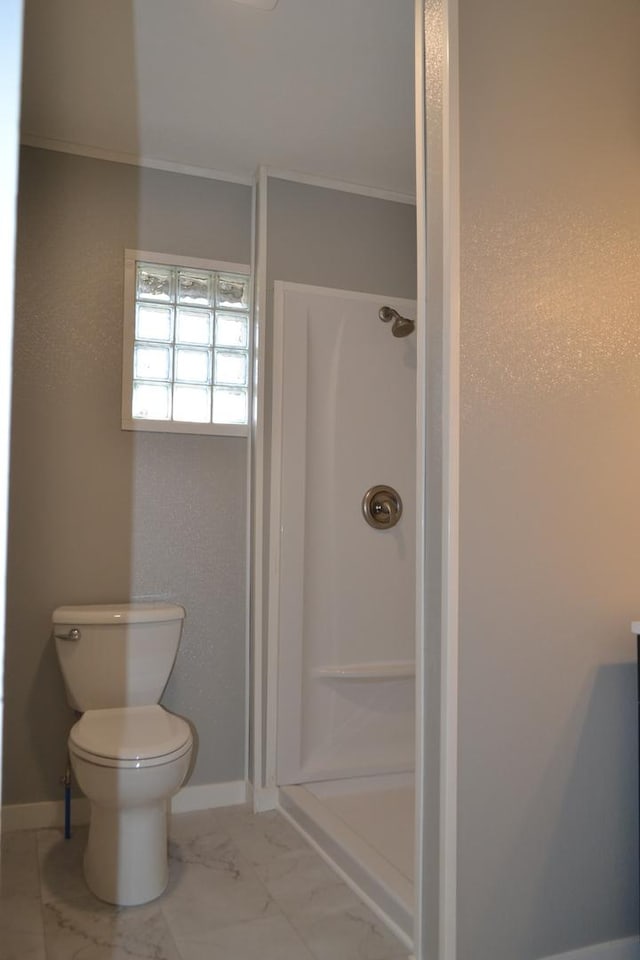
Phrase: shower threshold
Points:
(364, 827)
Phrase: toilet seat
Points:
(130, 737)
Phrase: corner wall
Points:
(550, 459)
(98, 514)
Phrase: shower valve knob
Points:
(382, 507)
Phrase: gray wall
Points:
(329, 238)
(550, 459)
(98, 514)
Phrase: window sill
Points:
(202, 429)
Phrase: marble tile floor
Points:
(241, 887)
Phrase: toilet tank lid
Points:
(138, 611)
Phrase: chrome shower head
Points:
(402, 326)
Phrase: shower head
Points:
(402, 326)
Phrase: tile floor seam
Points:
(174, 941)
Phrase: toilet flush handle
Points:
(74, 634)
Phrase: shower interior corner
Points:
(342, 588)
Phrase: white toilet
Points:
(129, 755)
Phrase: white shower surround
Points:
(341, 595)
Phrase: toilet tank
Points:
(116, 654)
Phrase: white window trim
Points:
(170, 426)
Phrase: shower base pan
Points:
(364, 826)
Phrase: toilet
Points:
(129, 755)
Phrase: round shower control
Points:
(382, 507)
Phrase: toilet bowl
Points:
(129, 755)
(129, 762)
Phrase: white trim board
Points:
(264, 798)
(210, 173)
(260, 777)
(627, 949)
(451, 490)
(346, 186)
(133, 160)
(207, 796)
(248, 773)
(50, 813)
(178, 260)
(289, 286)
(437, 136)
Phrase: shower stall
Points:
(341, 582)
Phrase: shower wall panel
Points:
(342, 597)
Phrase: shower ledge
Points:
(368, 670)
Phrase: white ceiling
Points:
(322, 87)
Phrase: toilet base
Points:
(126, 860)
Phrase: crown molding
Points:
(132, 159)
(346, 186)
(209, 173)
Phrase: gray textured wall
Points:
(550, 526)
(98, 514)
(329, 238)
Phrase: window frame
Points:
(131, 257)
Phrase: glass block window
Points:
(186, 345)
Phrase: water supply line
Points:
(66, 782)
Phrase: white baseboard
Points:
(264, 798)
(627, 949)
(37, 816)
(206, 796)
